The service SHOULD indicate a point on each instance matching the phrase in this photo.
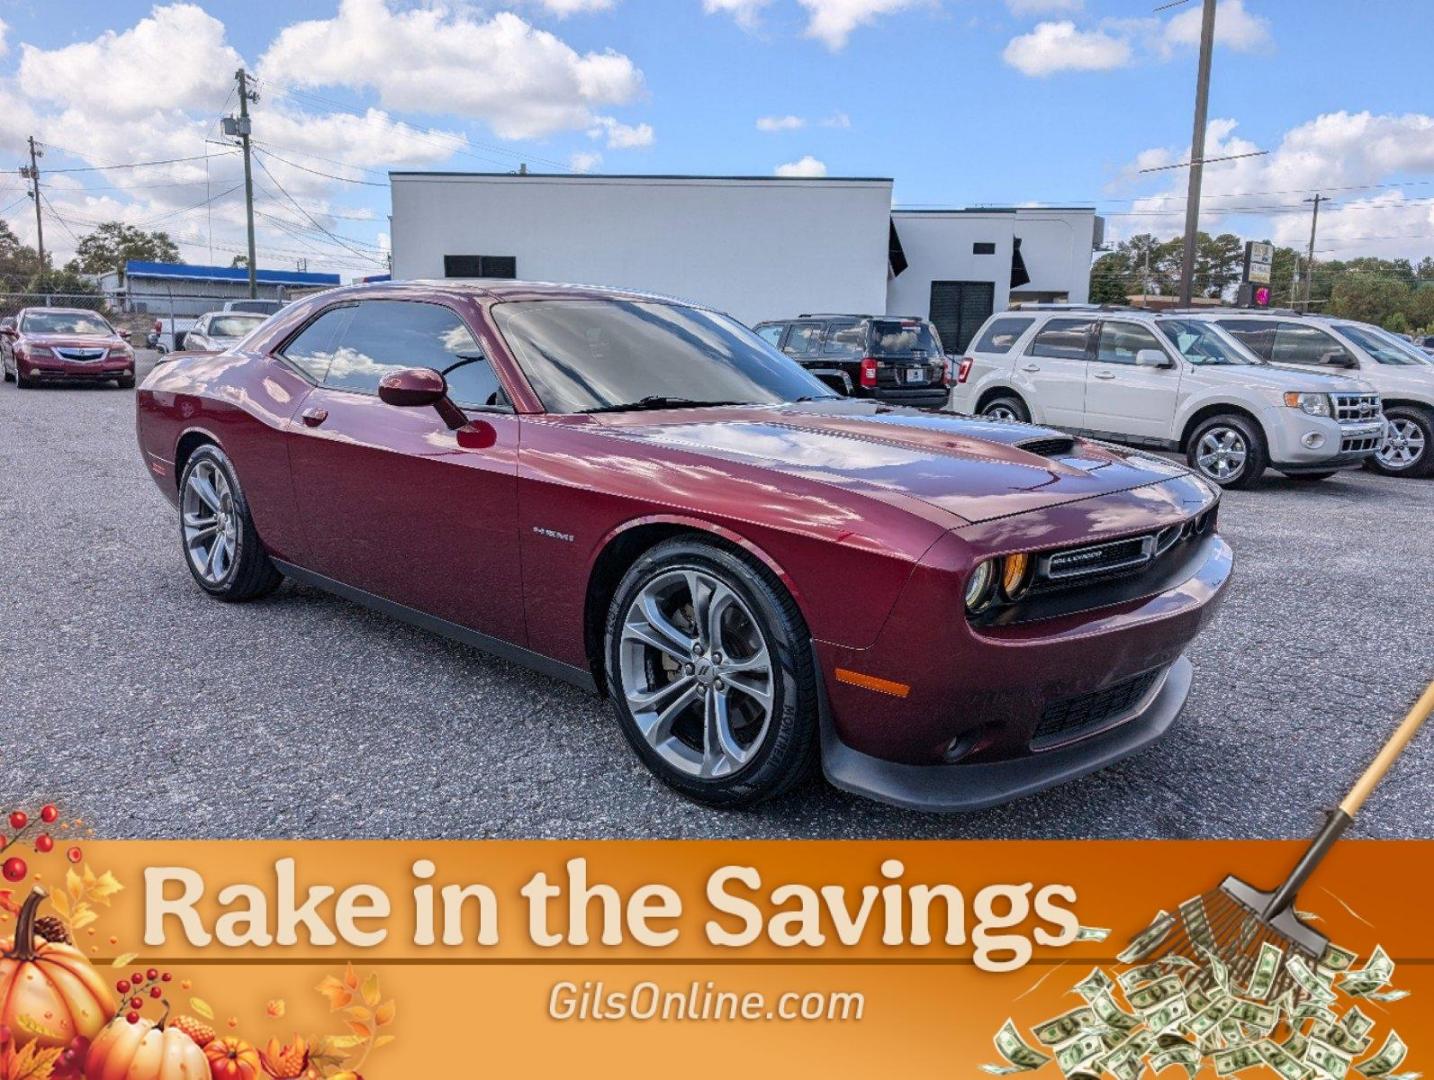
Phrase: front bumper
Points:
(963, 788)
(58, 370)
(1303, 443)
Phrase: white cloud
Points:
(807, 166)
(837, 120)
(621, 136)
(1043, 7)
(175, 58)
(1235, 28)
(746, 13)
(1336, 153)
(584, 162)
(832, 21)
(522, 81)
(563, 8)
(780, 123)
(1059, 46)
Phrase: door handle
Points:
(313, 416)
(1105, 374)
(1031, 367)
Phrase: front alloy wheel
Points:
(710, 670)
(1221, 454)
(1404, 447)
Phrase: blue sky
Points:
(963, 102)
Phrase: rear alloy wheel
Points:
(1009, 409)
(1228, 451)
(711, 675)
(221, 548)
(1408, 448)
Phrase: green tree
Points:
(114, 243)
(18, 262)
(1110, 277)
(239, 262)
(69, 284)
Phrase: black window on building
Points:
(480, 266)
(983, 247)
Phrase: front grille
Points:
(85, 356)
(1063, 720)
(1358, 443)
(1048, 447)
(1098, 558)
(1356, 408)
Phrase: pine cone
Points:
(197, 1030)
(52, 929)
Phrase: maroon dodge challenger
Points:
(641, 496)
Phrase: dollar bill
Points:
(1071, 1057)
(1092, 933)
(1168, 1015)
(1308, 981)
(1209, 1019)
(1282, 1061)
(1267, 966)
(1375, 974)
(1340, 1038)
(1064, 1028)
(1151, 996)
(1387, 996)
(1355, 1022)
(1197, 923)
(1336, 959)
(1112, 1015)
(1296, 1044)
(1184, 1055)
(1327, 1059)
(1391, 1055)
(1217, 969)
(1144, 973)
(1236, 1059)
(1149, 939)
(1019, 1056)
(1258, 1016)
(1094, 984)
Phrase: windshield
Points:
(264, 307)
(1384, 346)
(64, 322)
(581, 355)
(1202, 343)
(904, 338)
(233, 325)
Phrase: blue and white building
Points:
(184, 290)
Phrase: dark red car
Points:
(47, 344)
(643, 497)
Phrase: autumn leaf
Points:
(61, 903)
(337, 993)
(276, 1008)
(103, 888)
(33, 1063)
(84, 915)
(363, 1031)
(383, 1040)
(359, 1013)
(384, 1014)
(371, 993)
(123, 960)
(202, 1007)
(342, 1042)
(74, 885)
(351, 979)
(7, 902)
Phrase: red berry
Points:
(44, 843)
(122, 986)
(132, 1017)
(19, 819)
(14, 869)
(48, 814)
(155, 992)
(136, 1003)
(137, 978)
(74, 854)
(166, 977)
(152, 974)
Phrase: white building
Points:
(758, 247)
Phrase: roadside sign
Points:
(1259, 260)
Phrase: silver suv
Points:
(1401, 372)
(1171, 382)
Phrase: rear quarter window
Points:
(1063, 339)
(1001, 336)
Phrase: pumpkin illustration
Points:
(233, 1059)
(144, 1050)
(49, 994)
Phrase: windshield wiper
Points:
(659, 401)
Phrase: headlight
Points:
(1314, 404)
(979, 587)
(1015, 575)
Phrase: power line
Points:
(312, 220)
(316, 172)
(124, 165)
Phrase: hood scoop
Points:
(1052, 447)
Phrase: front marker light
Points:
(1015, 575)
(1313, 404)
(979, 587)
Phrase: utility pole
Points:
(242, 128)
(1309, 259)
(33, 175)
(1197, 153)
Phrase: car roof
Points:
(498, 290)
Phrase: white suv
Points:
(1401, 372)
(1172, 383)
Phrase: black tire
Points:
(999, 407)
(21, 383)
(1250, 437)
(6, 372)
(250, 573)
(125, 384)
(786, 751)
(1421, 420)
(1308, 477)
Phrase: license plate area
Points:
(916, 375)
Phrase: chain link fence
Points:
(137, 312)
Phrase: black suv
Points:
(891, 358)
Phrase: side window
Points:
(1120, 341)
(1002, 335)
(1063, 339)
(845, 339)
(474, 384)
(1256, 335)
(803, 339)
(388, 335)
(312, 349)
(1296, 344)
(771, 333)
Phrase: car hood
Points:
(1393, 381)
(77, 341)
(1300, 377)
(970, 467)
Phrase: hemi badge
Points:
(871, 682)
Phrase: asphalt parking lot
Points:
(154, 712)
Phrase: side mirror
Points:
(123, 333)
(419, 387)
(1152, 358)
